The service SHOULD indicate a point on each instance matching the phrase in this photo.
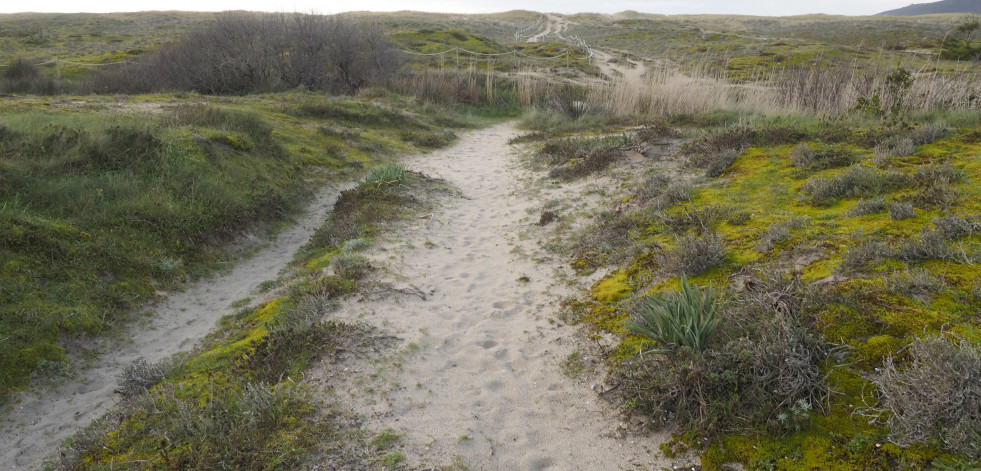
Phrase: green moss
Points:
(612, 288)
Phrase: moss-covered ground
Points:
(882, 288)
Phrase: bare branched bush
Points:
(936, 395)
(246, 52)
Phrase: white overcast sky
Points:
(669, 7)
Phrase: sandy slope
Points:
(478, 380)
(37, 421)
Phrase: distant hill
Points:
(944, 6)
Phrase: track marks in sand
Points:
(478, 380)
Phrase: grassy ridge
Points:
(237, 400)
(100, 210)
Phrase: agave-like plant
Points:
(683, 318)
(386, 175)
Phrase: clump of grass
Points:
(385, 175)
(821, 157)
(934, 396)
(695, 254)
(683, 318)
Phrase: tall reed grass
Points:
(822, 89)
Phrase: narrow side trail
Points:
(33, 426)
(478, 381)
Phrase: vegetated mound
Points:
(943, 6)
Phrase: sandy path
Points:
(478, 380)
(555, 25)
(37, 421)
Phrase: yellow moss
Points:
(879, 347)
(612, 288)
(320, 261)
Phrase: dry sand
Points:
(479, 380)
(36, 422)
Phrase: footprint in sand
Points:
(503, 305)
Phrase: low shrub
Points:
(21, 76)
(350, 266)
(955, 227)
(779, 232)
(763, 368)
(929, 244)
(857, 181)
(697, 219)
(893, 147)
(140, 376)
(935, 396)
(715, 163)
(930, 132)
(676, 192)
(870, 206)
(696, 254)
(652, 187)
(821, 157)
(899, 211)
(863, 256)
